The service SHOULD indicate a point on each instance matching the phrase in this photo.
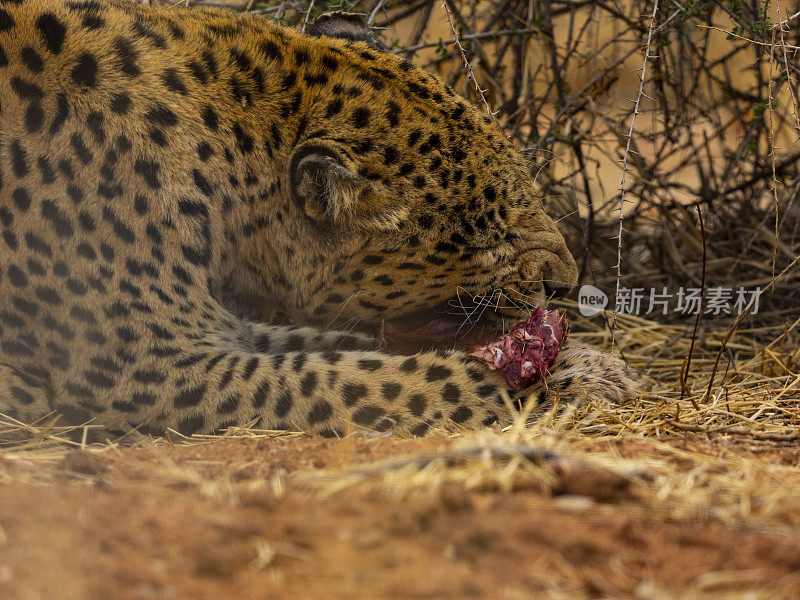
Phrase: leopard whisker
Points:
(340, 309)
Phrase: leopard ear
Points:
(345, 26)
(322, 186)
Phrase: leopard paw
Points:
(582, 374)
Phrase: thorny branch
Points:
(468, 67)
(622, 187)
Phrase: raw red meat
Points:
(524, 353)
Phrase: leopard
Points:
(191, 197)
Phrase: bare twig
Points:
(688, 362)
(622, 187)
(308, 14)
(470, 70)
(375, 12)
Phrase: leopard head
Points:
(403, 196)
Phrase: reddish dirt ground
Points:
(163, 522)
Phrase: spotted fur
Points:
(164, 172)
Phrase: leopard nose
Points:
(555, 289)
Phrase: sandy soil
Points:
(229, 519)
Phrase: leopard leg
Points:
(328, 392)
(170, 375)
(334, 392)
(161, 372)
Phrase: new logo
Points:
(591, 300)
